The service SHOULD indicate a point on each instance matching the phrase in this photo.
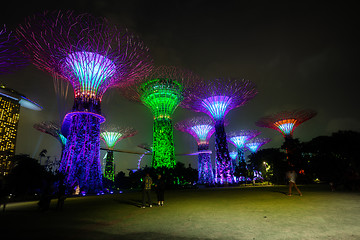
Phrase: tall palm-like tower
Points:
(92, 55)
(111, 135)
(162, 91)
(216, 98)
(201, 128)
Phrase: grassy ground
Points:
(218, 213)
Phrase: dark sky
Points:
(299, 55)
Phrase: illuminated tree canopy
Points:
(11, 57)
(255, 143)
(218, 96)
(52, 129)
(285, 122)
(201, 128)
(87, 51)
(112, 134)
(239, 138)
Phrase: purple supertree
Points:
(11, 57)
(111, 135)
(216, 98)
(255, 143)
(238, 139)
(162, 91)
(201, 128)
(92, 55)
(285, 122)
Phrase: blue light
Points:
(233, 155)
(91, 69)
(253, 147)
(202, 131)
(217, 105)
(286, 128)
(239, 141)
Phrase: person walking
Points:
(147, 190)
(160, 190)
(291, 175)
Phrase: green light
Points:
(109, 166)
(110, 138)
(162, 96)
(163, 144)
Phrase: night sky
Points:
(298, 54)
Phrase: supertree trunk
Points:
(241, 155)
(224, 170)
(81, 159)
(206, 175)
(163, 144)
(109, 166)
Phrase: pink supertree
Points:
(285, 122)
(201, 128)
(92, 55)
(11, 57)
(216, 98)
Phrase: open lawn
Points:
(263, 212)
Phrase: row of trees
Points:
(332, 158)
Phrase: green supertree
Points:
(162, 91)
(111, 135)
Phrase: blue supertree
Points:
(201, 128)
(216, 98)
(239, 138)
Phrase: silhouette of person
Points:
(147, 190)
(160, 190)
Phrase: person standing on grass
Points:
(147, 190)
(291, 175)
(160, 190)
